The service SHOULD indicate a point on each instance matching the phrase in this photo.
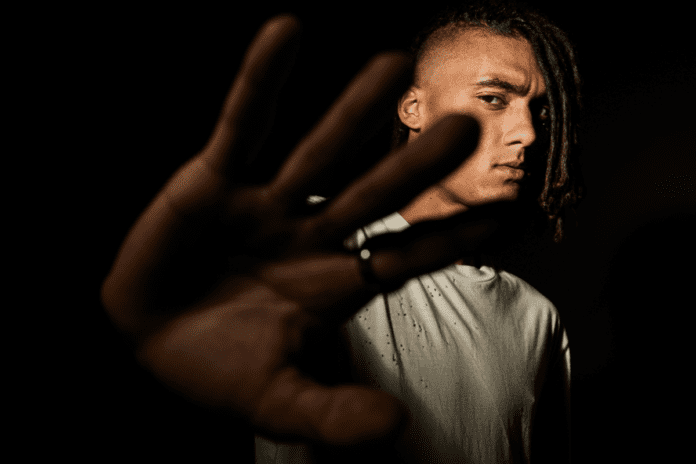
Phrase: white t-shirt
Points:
(469, 351)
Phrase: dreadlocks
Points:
(563, 182)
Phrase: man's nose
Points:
(521, 128)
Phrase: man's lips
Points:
(514, 171)
(516, 165)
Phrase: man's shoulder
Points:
(529, 299)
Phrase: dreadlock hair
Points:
(563, 181)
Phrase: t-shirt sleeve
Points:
(551, 437)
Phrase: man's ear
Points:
(410, 109)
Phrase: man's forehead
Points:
(476, 55)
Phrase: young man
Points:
(227, 290)
(480, 356)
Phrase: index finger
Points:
(247, 113)
(397, 179)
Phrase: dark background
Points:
(132, 93)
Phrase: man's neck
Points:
(434, 204)
(430, 205)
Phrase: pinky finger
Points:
(430, 246)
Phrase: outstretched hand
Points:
(220, 283)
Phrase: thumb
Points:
(295, 408)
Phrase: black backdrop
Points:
(134, 92)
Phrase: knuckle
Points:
(366, 195)
(348, 113)
(193, 188)
(387, 61)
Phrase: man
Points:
(243, 334)
(470, 348)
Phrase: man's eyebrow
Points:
(502, 84)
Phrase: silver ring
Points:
(365, 267)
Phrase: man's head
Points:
(515, 72)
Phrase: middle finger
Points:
(363, 108)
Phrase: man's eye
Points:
(492, 97)
(545, 114)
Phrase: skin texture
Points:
(446, 83)
(232, 297)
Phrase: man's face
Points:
(461, 78)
